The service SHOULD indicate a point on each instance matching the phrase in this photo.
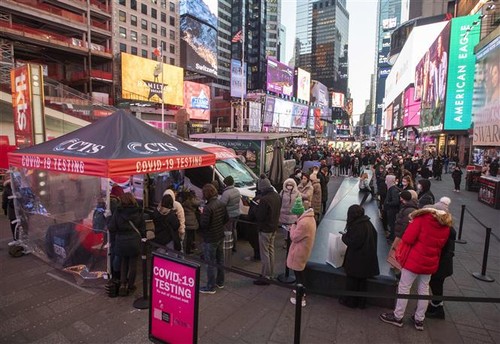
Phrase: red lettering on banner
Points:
(21, 102)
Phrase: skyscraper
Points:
(321, 41)
(272, 28)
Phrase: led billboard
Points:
(205, 11)
(411, 110)
(269, 111)
(238, 79)
(22, 107)
(142, 79)
(198, 46)
(282, 113)
(319, 93)
(299, 116)
(486, 100)
(430, 78)
(303, 85)
(197, 100)
(338, 99)
(388, 118)
(279, 77)
(458, 115)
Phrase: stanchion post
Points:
(482, 276)
(299, 294)
(143, 302)
(286, 278)
(459, 240)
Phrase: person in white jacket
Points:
(180, 213)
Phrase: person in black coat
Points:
(8, 206)
(425, 195)
(324, 177)
(128, 225)
(360, 261)
(457, 177)
(166, 223)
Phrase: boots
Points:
(123, 291)
(434, 312)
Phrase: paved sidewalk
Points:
(42, 305)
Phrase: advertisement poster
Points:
(197, 100)
(338, 99)
(143, 80)
(269, 111)
(249, 150)
(411, 115)
(388, 118)
(303, 85)
(173, 309)
(319, 94)
(397, 118)
(486, 100)
(238, 79)
(22, 109)
(299, 116)
(431, 76)
(279, 77)
(282, 113)
(254, 121)
(458, 115)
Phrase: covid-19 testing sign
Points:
(173, 309)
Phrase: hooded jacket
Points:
(302, 237)
(179, 211)
(287, 200)
(316, 196)
(403, 217)
(166, 227)
(127, 240)
(426, 235)
(306, 192)
(425, 196)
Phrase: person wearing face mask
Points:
(425, 195)
(288, 196)
(306, 190)
(407, 183)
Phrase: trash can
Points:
(472, 180)
(228, 248)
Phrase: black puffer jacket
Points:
(166, 227)
(445, 268)
(127, 240)
(361, 255)
(402, 218)
(267, 213)
(212, 220)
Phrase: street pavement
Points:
(42, 305)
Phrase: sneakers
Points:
(207, 290)
(391, 319)
(435, 312)
(220, 286)
(419, 325)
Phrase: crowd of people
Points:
(417, 224)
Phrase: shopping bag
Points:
(336, 250)
(391, 256)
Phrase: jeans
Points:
(266, 245)
(213, 254)
(128, 270)
(405, 283)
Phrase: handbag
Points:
(391, 257)
(336, 250)
(402, 252)
(135, 228)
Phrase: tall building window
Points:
(144, 9)
(123, 47)
(122, 16)
(172, 34)
(154, 13)
(163, 46)
(172, 21)
(172, 7)
(133, 4)
(144, 39)
(133, 35)
(163, 31)
(172, 61)
(133, 50)
(144, 53)
(172, 49)
(133, 20)
(154, 28)
(163, 17)
(123, 32)
(154, 42)
(123, 2)
(163, 3)
(144, 24)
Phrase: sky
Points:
(362, 37)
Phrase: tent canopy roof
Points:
(117, 145)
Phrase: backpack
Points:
(98, 220)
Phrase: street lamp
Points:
(218, 118)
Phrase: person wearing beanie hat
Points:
(425, 195)
(441, 205)
(316, 196)
(231, 199)
(360, 261)
(408, 205)
(302, 235)
(266, 214)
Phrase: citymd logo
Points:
(76, 145)
(151, 147)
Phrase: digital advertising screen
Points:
(388, 118)
(338, 99)
(299, 116)
(303, 85)
(282, 113)
(269, 111)
(462, 62)
(279, 77)
(198, 46)
(486, 101)
(238, 79)
(254, 121)
(173, 308)
(197, 100)
(319, 93)
(142, 79)
(432, 70)
(206, 11)
(411, 110)
(22, 107)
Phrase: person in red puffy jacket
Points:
(420, 249)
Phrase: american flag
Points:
(237, 37)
